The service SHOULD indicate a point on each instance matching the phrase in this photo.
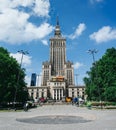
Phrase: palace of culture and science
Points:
(57, 73)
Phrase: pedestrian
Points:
(26, 105)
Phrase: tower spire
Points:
(57, 21)
(57, 28)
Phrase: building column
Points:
(56, 94)
(62, 93)
(59, 93)
(53, 94)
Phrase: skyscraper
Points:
(57, 66)
(33, 79)
(57, 69)
(57, 73)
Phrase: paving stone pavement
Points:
(96, 119)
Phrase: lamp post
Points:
(22, 54)
(92, 52)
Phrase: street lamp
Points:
(22, 54)
(92, 52)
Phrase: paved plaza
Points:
(59, 117)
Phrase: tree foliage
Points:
(10, 72)
(101, 80)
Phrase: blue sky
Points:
(28, 24)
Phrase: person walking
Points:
(26, 105)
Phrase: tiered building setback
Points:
(58, 66)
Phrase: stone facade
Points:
(58, 93)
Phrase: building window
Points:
(37, 94)
(32, 94)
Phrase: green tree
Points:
(101, 80)
(10, 86)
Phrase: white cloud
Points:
(42, 7)
(14, 25)
(25, 61)
(77, 65)
(104, 34)
(80, 28)
(38, 7)
(45, 42)
(24, 3)
(5, 4)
